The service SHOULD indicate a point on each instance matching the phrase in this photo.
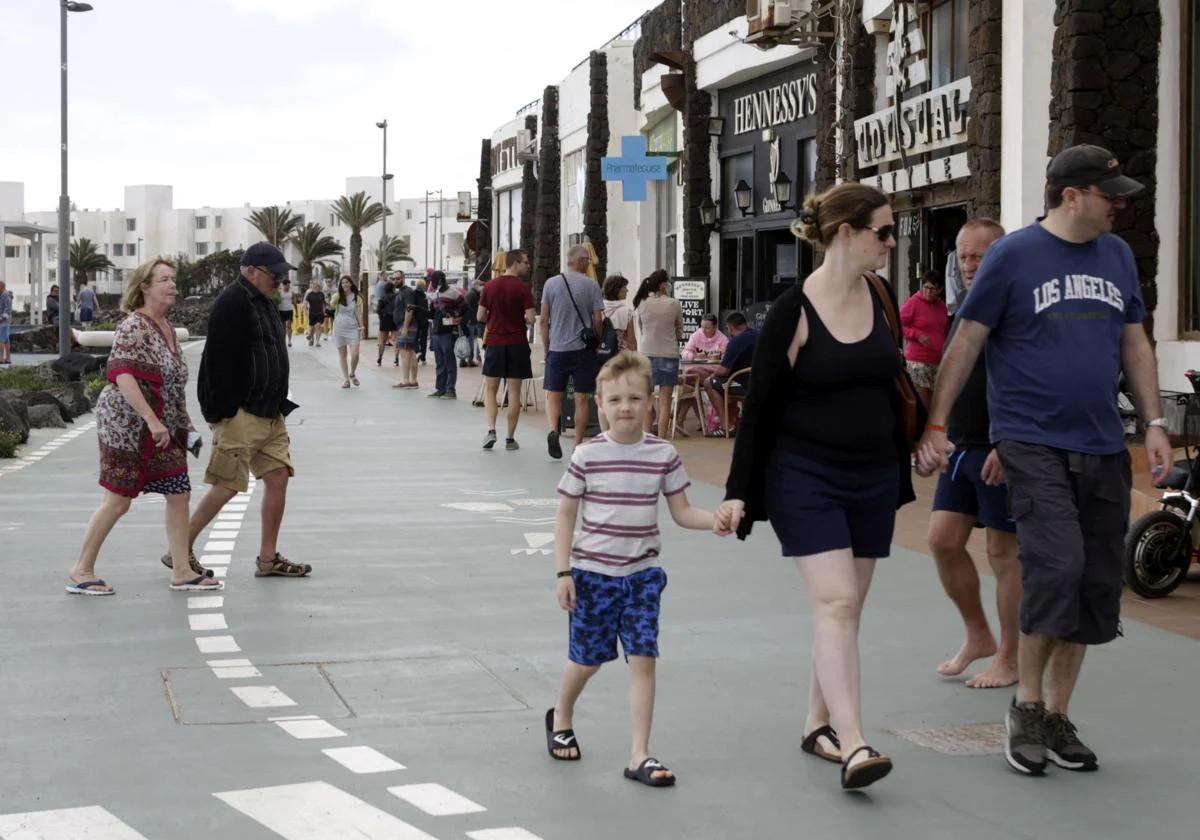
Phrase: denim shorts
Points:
(816, 507)
(664, 372)
(581, 366)
(4, 333)
(608, 608)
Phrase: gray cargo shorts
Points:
(1072, 511)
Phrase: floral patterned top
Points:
(128, 457)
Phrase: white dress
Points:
(345, 323)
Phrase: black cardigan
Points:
(759, 426)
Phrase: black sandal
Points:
(813, 746)
(563, 739)
(645, 774)
(867, 772)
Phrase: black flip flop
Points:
(645, 771)
(867, 772)
(563, 739)
(812, 745)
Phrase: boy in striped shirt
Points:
(608, 574)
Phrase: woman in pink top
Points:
(925, 323)
(708, 340)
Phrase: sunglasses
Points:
(884, 232)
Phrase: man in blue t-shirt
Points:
(739, 353)
(1059, 308)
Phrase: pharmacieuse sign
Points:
(927, 122)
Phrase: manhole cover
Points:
(965, 739)
(435, 685)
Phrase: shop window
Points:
(666, 222)
(733, 169)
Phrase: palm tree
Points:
(86, 259)
(396, 249)
(314, 247)
(357, 214)
(275, 224)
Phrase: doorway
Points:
(737, 272)
(942, 229)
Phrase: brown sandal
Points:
(813, 746)
(280, 566)
(870, 770)
(192, 561)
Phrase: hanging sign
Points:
(693, 300)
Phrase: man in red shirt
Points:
(506, 309)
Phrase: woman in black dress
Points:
(387, 322)
(822, 451)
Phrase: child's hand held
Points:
(565, 591)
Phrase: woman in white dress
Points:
(347, 328)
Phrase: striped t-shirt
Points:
(620, 485)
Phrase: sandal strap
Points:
(871, 753)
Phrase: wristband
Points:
(567, 573)
(934, 427)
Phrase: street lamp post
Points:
(426, 255)
(383, 236)
(64, 203)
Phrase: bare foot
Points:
(968, 653)
(997, 675)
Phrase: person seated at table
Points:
(707, 340)
(705, 343)
(739, 353)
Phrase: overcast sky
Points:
(264, 101)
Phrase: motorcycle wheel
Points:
(1152, 568)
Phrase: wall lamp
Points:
(743, 196)
(710, 214)
(782, 191)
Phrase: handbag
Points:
(462, 348)
(587, 335)
(909, 401)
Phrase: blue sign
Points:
(633, 168)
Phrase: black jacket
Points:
(764, 405)
(245, 361)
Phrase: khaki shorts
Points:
(247, 443)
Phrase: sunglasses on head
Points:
(884, 232)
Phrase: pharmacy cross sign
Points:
(633, 168)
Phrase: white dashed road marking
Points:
(92, 823)
(206, 602)
(363, 760)
(310, 730)
(262, 696)
(436, 800)
(503, 834)
(208, 621)
(217, 644)
(318, 811)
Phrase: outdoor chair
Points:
(730, 396)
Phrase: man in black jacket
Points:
(243, 391)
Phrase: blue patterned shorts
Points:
(608, 608)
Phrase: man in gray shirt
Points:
(6, 299)
(571, 303)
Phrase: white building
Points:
(149, 225)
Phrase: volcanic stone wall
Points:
(984, 19)
(595, 196)
(1104, 90)
(661, 31)
(529, 195)
(548, 234)
(483, 257)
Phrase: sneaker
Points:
(553, 446)
(450, 395)
(490, 440)
(437, 395)
(1025, 746)
(1064, 748)
(511, 444)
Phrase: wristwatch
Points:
(1160, 422)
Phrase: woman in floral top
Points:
(143, 426)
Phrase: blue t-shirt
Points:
(739, 352)
(1056, 310)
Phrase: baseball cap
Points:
(265, 255)
(1085, 166)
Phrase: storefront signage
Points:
(504, 156)
(784, 103)
(693, 299)
(633, 168)
(921, 174)
(928, 122)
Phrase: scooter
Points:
(1162, 545)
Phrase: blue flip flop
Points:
(196, 584)
(85, 588)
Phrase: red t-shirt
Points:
(506, 298)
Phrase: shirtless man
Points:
(971, 494)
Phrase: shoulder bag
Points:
(587, 335)
(904, 387)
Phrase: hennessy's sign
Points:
(928, 122)
(776, 105)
